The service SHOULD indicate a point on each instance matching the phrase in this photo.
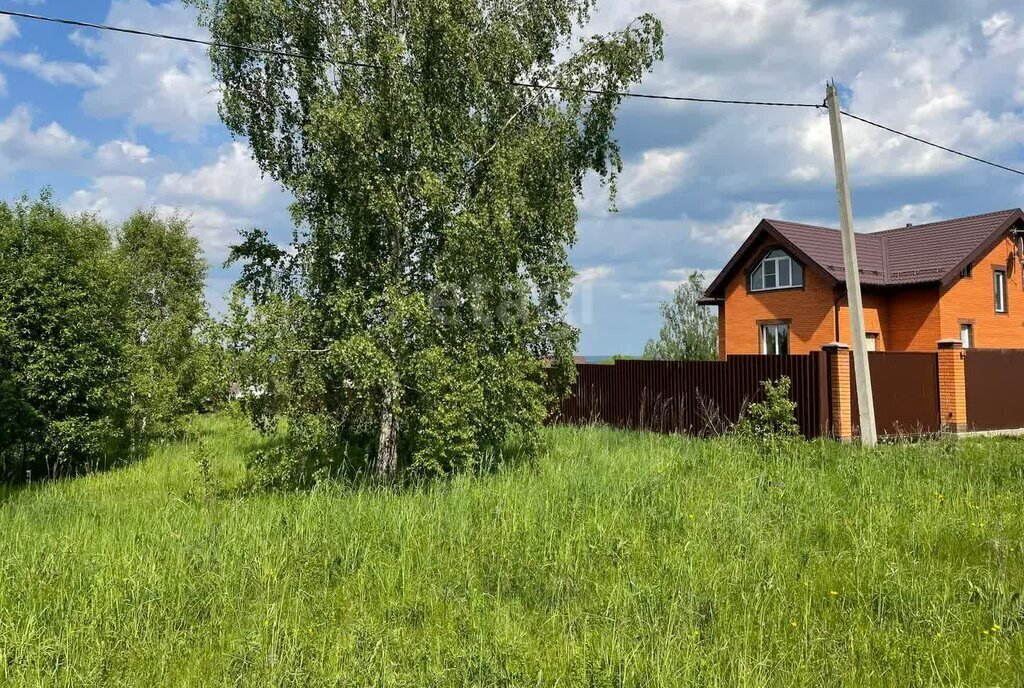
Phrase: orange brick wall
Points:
(809, 311)
(876, 316)
(906, 319)
(973, 298)
(913, 323)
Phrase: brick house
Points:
(784, 290)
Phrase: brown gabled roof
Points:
(919, 254)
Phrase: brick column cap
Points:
(835, 346)
(950, 344)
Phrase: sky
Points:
(113, 123)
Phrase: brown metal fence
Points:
(905, 388)
(995, 389)
(694, 397)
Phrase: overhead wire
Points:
(930, 143)
(366, 65)
(564, 89)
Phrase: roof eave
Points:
(763, 227)
(985, 246)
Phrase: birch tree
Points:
(689, 331)
(435, 150)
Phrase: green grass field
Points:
(616, 559)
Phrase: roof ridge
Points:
(1008, 211)
(799, 224)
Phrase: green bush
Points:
(772, 421)
(100, 340)
(65, 342)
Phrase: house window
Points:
(777, 271)
(872, 341)
(775, 339)
(967, 335)
(1000, 290)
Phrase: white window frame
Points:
(967, 335)
(775, 265)
(999, 285)
(770, 336)
(872, 341)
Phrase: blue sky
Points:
(117, 122)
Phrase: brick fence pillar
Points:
(952, 386)
(838, 357)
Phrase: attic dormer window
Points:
(776, 271)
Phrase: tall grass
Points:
(617, 559)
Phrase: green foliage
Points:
(771, 422)
(210, 378)
(435, 204)
(263, 264)
(308, 454)
(103, 344)
(619, 559)
(166, 307)
(690, 331)
(65, 343)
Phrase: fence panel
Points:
(995, 389)
(905, 388)
(693, 397)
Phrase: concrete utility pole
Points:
(861, 366)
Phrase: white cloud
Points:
(996, 23)
(234, 178)
(947, 81)
(592, 274)
(657, 173)
(64, 73)
(735, 228)
(165, 85)
(912, 213)
(46, 147)
(679, 275)
(654, 174)
(122, 155)
(112, 198)
(8, 29)
(805, 173)
(160, 84)
(216, 229)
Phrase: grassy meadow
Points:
(615, 559)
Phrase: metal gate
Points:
(906, 393)
(995, 389)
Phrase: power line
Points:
(933, 145)
(179, 39)
(655, 96)
(522, 84)
(366, 65)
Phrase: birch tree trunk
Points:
(387, 448)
